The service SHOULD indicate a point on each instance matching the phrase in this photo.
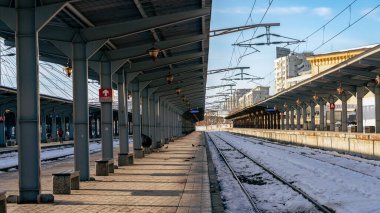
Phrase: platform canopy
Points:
(352, 75)
(122, 31)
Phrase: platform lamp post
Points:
(8, 54)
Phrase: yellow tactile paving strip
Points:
(175, 179)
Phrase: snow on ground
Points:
(344, 184)
(269, 194)
(233, 197)
(11, 159)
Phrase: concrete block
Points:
(3, 202)
(125, 159)
(138, 153)
(102, 168)
(62, 185)
(64, 181)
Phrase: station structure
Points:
(287, 110)
(112, 42)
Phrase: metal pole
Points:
(312, 115)
(54, 127)
(152, 121)
(344, 113)
(162, 121)
(377, 109)
(304, 116)
(359, 109)
(80, 111)
(123, 126)
(321, 115)
(43, 127)
(332, 119)
(28, 102)
(138, 152)
(157, 122)
(145, 112)
(106, 112)
(292, 119)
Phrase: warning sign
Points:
(105, 95)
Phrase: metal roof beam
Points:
(149, 65)
(180, 71)
(119, 30)
(141, 50)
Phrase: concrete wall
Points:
(364, 145)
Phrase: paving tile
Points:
(168, 180)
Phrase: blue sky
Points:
(298, 19)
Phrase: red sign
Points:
(105, 95)
(332, 106)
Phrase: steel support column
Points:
(312, 116)
(28, 102)
(377, 109)
(282, 121)
(145, 112)
(80, 111)
(106, 112)
(43, 127)
(359, 108)
(122, 113)
(152, 120)
(2, 133)
(292, 119)
(71, 130)
(344, 113)
(304, 116)
(321, 116)
(162, 121)
(287, 119)
(137, 150)
(53, 134)
(332, 119)
(298, 112)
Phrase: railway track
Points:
(260, 141)
(253, 204)
(317, 205)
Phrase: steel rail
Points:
(255, 209)
(276, 176)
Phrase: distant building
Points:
(255, 95)
(322, 62)
(290, 66)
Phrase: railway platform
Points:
(171, 179)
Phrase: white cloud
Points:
(233, 10)
(283, 10)
(322, 11)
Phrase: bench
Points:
(104, 167)
(3, 202)
(64, 182)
